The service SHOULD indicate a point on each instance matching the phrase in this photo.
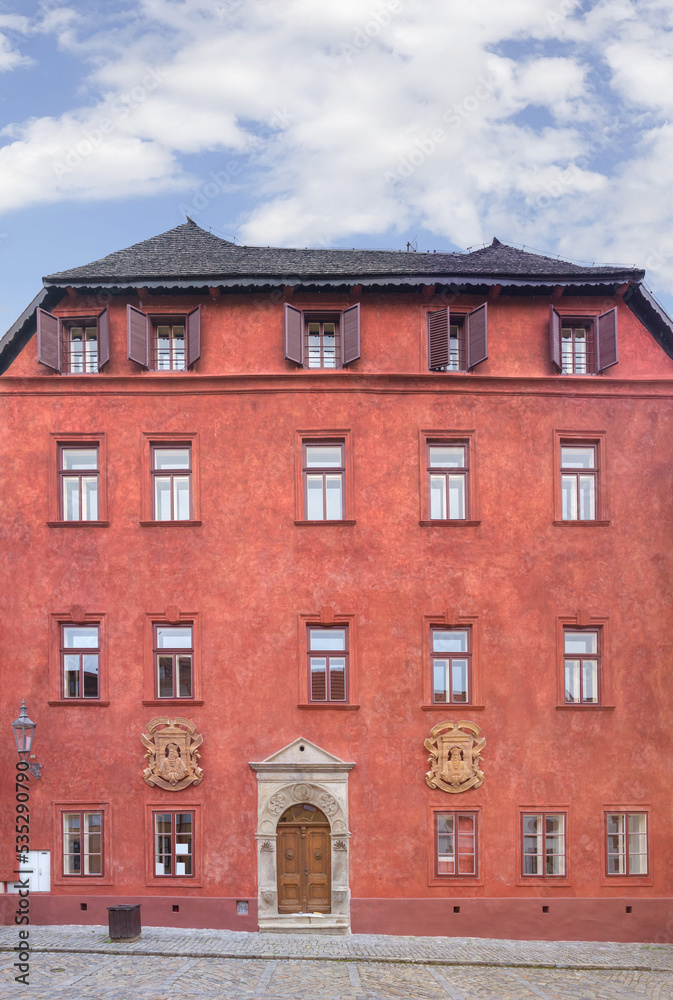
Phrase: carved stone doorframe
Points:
(302, 772)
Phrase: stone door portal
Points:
(304, 863)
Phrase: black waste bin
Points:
(124, 922)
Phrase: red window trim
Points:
(329, 437)
(456, 876)
(76, 616)
(452, 619)
(596, 439)
(448, 437)
(628, 880)
(193, 881)
(327, 655)
(170, 474)
(174, 653)
(467, 655)
(76, 440)
(80, 651)
(545, 811)
(173, 812)
(166, 439)
(327, 618)
(77, 882)
(580, 621)
(172, 616)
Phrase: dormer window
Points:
(581, 345)
(164, 343)
(73, 345)
(322, 340)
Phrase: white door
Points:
(37, 870)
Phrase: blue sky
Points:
(336, 123)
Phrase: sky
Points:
(336, 123)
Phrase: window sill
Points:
(585, 708)
(627, 881)
(453, 523)
(170, 882)
(78, 524)
(173, 702)
(448, 881)
(329, 706)
(313, 523)
(548, 881)
(448, 706)
(582, 524)
(94, 702)
(79, 882)
(170, 524)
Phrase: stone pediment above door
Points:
(299, 755)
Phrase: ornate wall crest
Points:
(455, 756)
(172, 753)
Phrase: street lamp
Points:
(24, 730)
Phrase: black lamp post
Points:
(24, 730)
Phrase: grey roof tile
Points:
(191, 252)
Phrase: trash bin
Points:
(124, 922)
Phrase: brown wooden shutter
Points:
(193, 336)
(555, 338)
(438, 338)
(294, 334)
(476, 336)
(48, 340)
(606, 340)
(138, 336)
(350, 336)
(103, 339)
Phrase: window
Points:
(73, 345)
(448, 480)
(80, 660)
(582, 345)
(323, 480)
(451, 656)
(327, 663)
(174, 659)
(456, 343)
(581, 664)
(322, 339)
(164, 343)
(173, 844)
(544, 844)
(171, 483)
(579, 482)
(82, 843)
(626, 852)
(79, 482)
(455, 844)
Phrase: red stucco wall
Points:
(249, 572)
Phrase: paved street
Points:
(168, 964)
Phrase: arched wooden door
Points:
(304, 863)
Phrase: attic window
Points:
(456, 343)
(322, 340)
(73, 345)
(164, 343)
(583, 345)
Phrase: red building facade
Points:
(288, 535)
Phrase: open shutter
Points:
(606, 340)
(438, 338)
(103, 339)
(48, 340)
(193, 336)
(350, 337)
(555, 338)
(476, 336)
(138, 336)
(294, 335)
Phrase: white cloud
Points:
(466, 119)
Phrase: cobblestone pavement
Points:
(171, 964)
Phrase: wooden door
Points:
(304, 865)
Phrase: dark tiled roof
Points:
(189, 252)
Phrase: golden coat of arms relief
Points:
(455, 755)
(172, 751)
